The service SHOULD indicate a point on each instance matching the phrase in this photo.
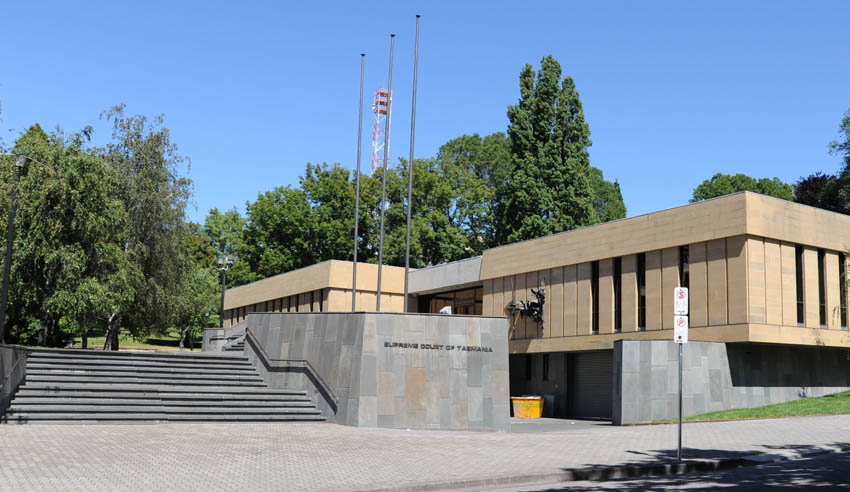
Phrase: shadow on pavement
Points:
(823, 472)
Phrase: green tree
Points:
(154, 194)
(437, 233)
(478, 169)
(725, 184)
(836, 193)
(224, 231)
(280, 234)
(841, 147)
(200, 290)
(607, 197)
(549, 188)
(331, 198)
(69, 268)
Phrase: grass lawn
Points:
(163, 343)
(838, 403)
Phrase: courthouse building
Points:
(768, 306)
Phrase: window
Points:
(822, 288)
(594, 296)
(546, 367)
(684, 268)
(842, 290)
(641, 284)
(463, 301)
(528, 367)
(618, 295)
(798, 264)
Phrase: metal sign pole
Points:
(680, 337)
(679, 450)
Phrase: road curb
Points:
(599, 473)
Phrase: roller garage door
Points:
(590, 379)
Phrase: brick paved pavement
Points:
(306, 457)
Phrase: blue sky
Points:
(673, 91)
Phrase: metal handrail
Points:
(305, 363)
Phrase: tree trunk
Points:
(182, 337)
(85, 339)
(112, 326)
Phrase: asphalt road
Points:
(825, 472)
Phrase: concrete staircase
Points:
(91, 386)
(236, 345)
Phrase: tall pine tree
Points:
(549, 189)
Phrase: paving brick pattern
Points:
(318, 456)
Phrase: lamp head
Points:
(21, 160)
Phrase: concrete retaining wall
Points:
(719, 376)
(213, 339)
(397, 370)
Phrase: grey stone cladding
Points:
(394, 370)
(719, 376)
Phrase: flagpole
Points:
(410, 164)
(357, 187)
(386, 166)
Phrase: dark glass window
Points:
(463, 301)
(684, 267)
(641, 285)
(546, 367)
(798, 264)
(618, 295)
(594, 295)
(822, 287)
(528, 367)
(842, 289)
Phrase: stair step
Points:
(262, 395)
(85, 386)
(36, 352)
(123, 418)
(41, 375)
(135, 365)
(154, 388)
(151, 361)
(167, 409)
(53, 380)
(38, 402)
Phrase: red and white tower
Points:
(380, 142)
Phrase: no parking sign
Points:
(680, 329)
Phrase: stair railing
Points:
(303, 363)
(10, 383)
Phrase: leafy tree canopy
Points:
(725, 184)
(607, 197)
(549, 188)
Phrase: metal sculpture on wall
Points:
(532, 309)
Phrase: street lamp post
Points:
(224, 262)
(10, 239)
